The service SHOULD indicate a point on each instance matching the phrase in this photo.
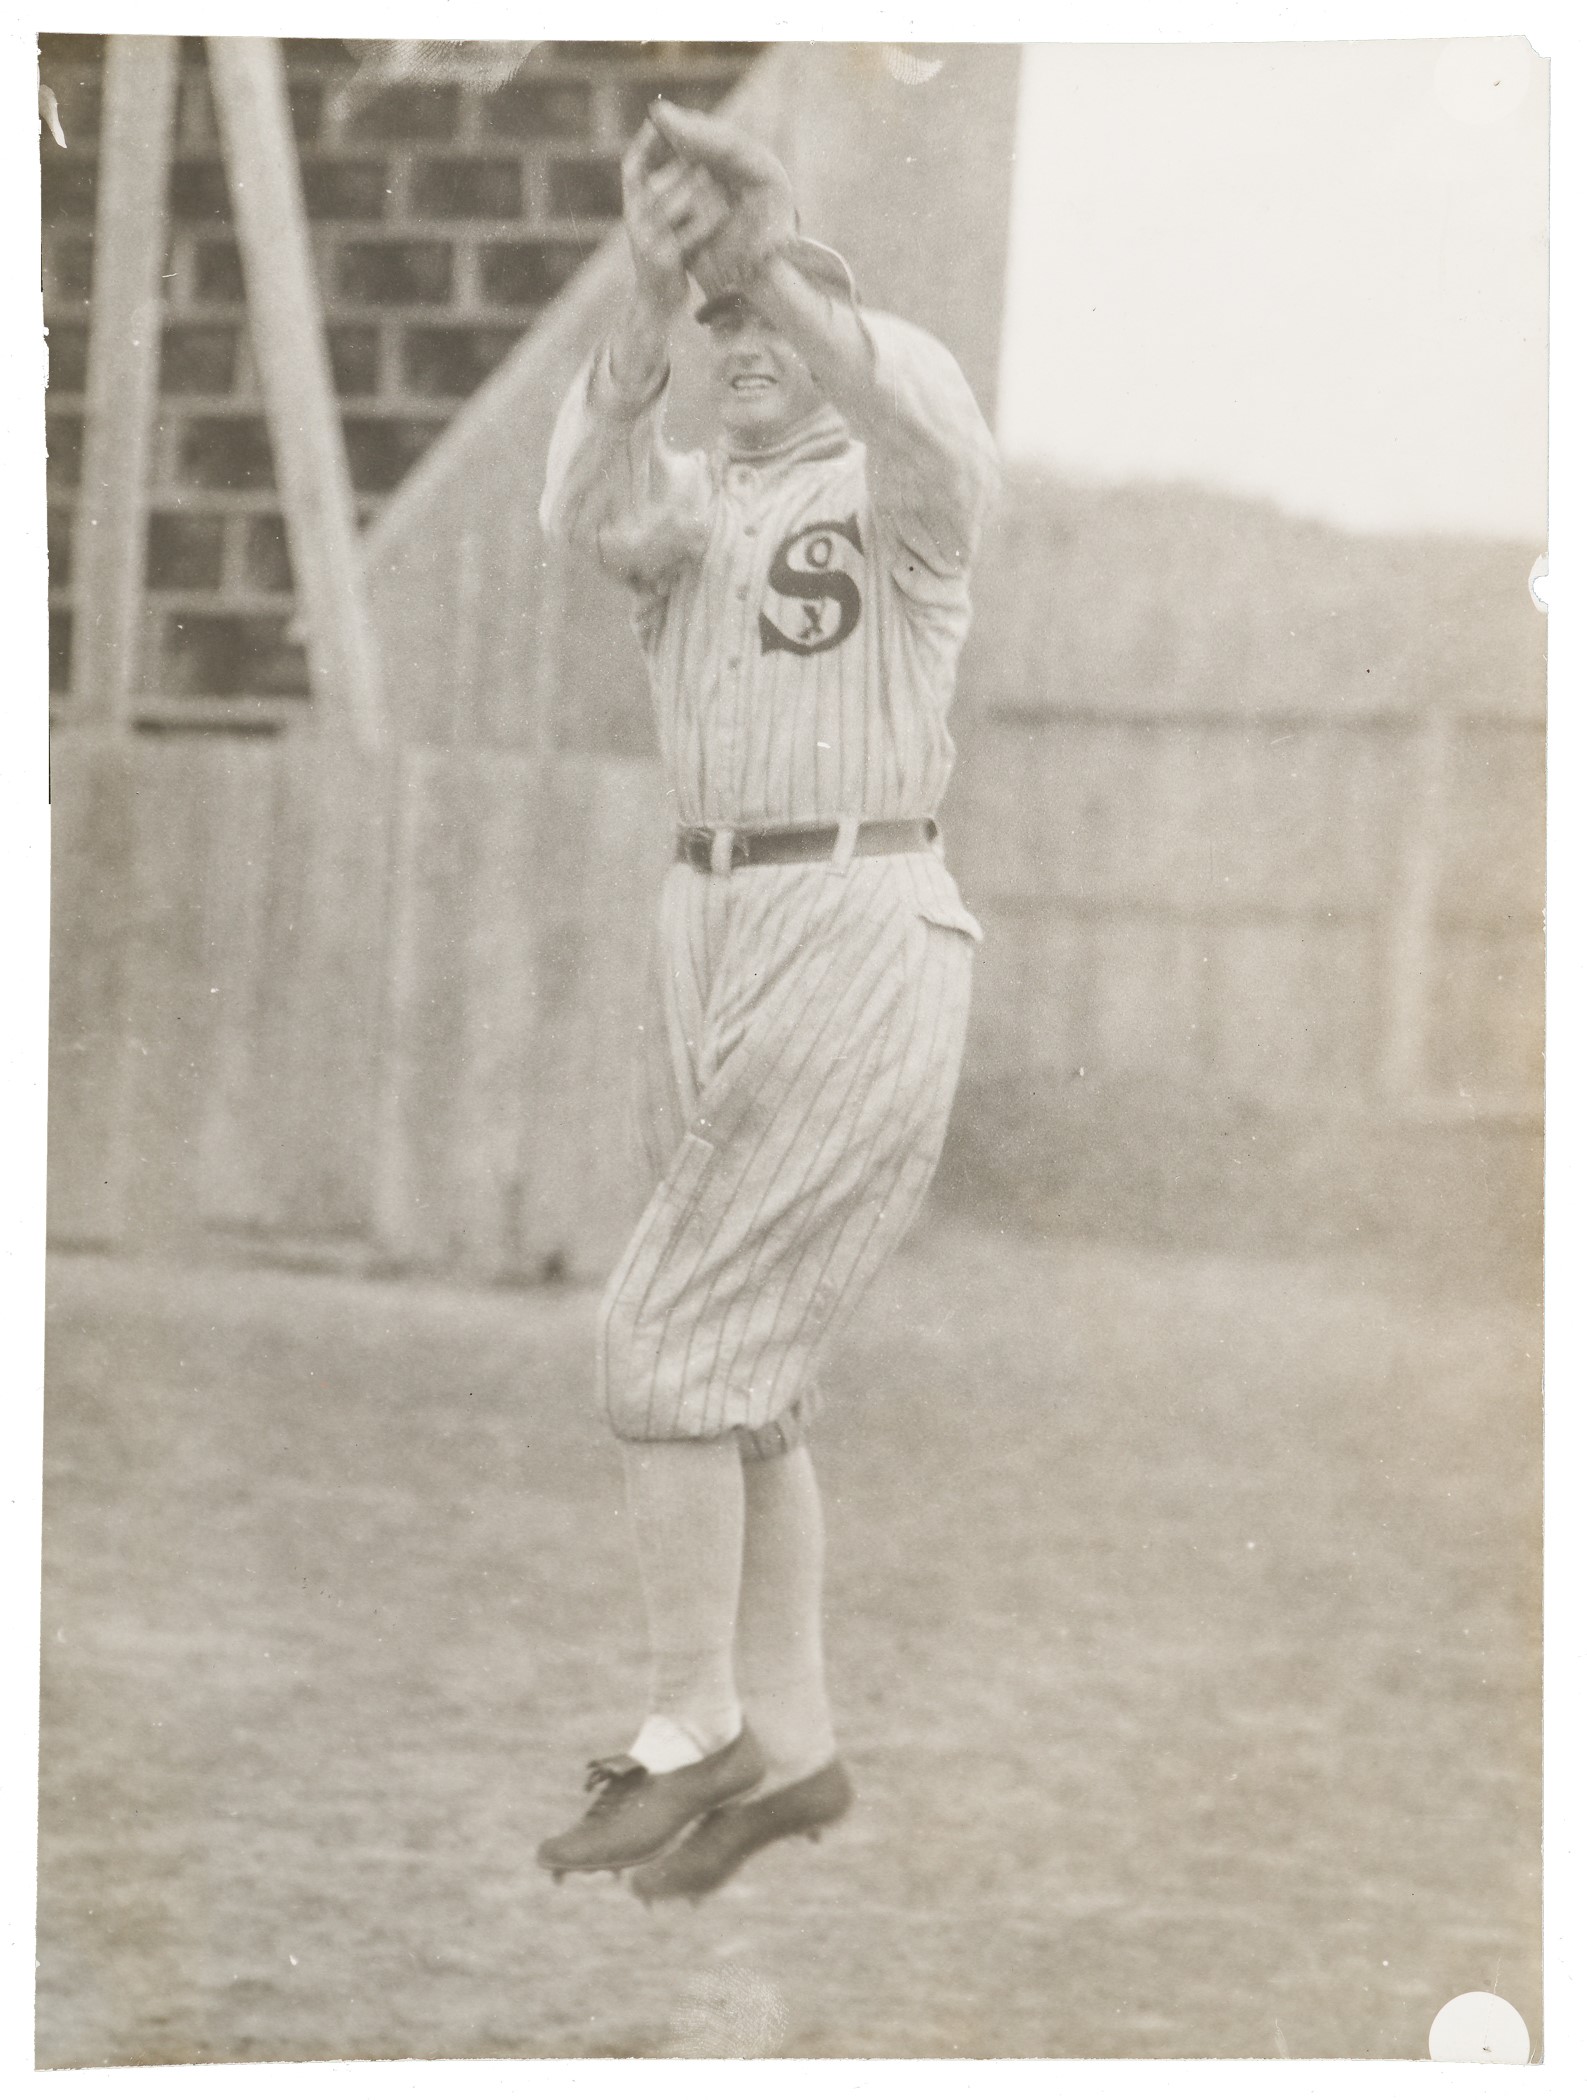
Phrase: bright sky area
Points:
(1313, 272)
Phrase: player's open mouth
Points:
(752, 383)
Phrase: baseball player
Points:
(800, 593)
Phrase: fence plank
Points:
(1410, 920)
(1492, 865)
(235, 1144)
(999, 1015)
(427, 994)
(315, 1043)
(93, 910)
(602, 853)
(1295, 1009)
(342, 957)
(1150, 1009)
(494, 1116)
(460, 1007)
(1486, 1014)
(123, 372)
(171, 1012)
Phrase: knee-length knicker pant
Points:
(801, 1050)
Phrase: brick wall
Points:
(444, 219)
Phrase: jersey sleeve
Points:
(614, 486)
(932, 464)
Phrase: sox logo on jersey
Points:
(814, 575)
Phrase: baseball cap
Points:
(821, 265)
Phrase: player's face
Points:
(762, 385)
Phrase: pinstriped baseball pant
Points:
(801, 1050)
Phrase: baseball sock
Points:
(781, 1668)
(686, 1500)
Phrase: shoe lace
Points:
(610, 1779)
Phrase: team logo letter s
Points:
(817, 601)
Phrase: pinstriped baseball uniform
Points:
(801, 610)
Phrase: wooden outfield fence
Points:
(319, 1003)
(1254, 808)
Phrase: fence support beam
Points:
(1412, 930)
(123, 374)
(295, 376)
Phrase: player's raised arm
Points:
(612, 483)
(933, 462)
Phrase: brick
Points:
(186, 551)
(222, 654)
(217, 270)
(467, 189)
(68, 269)
(58, 546)
(528, 273)
(267, 559)
(541, 109)
(586, 189)
(68, 348)
(198, 191)
(346, 189)
(355, 357)
(195, 108)
(394, 273)
(322, 54)
(226, 452)
(306, 100)
(72, 68)
(410, 110)
(67, 182)
(63, 438)
(600, 54)
(60, 649)
(199, 357)
(382, 449)
(688, 90)
(60, 52)
(445, 362)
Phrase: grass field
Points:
(1184, 1640)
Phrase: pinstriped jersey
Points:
(802, 608)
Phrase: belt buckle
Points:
(729, 850)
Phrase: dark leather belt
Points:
(756, 848)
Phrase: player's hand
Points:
(755, 217)
(671, 207)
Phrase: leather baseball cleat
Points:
(637, 1813)
(718, 1846)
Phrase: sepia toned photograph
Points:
(796, 996)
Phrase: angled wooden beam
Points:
(123, 373)
(284, 320)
